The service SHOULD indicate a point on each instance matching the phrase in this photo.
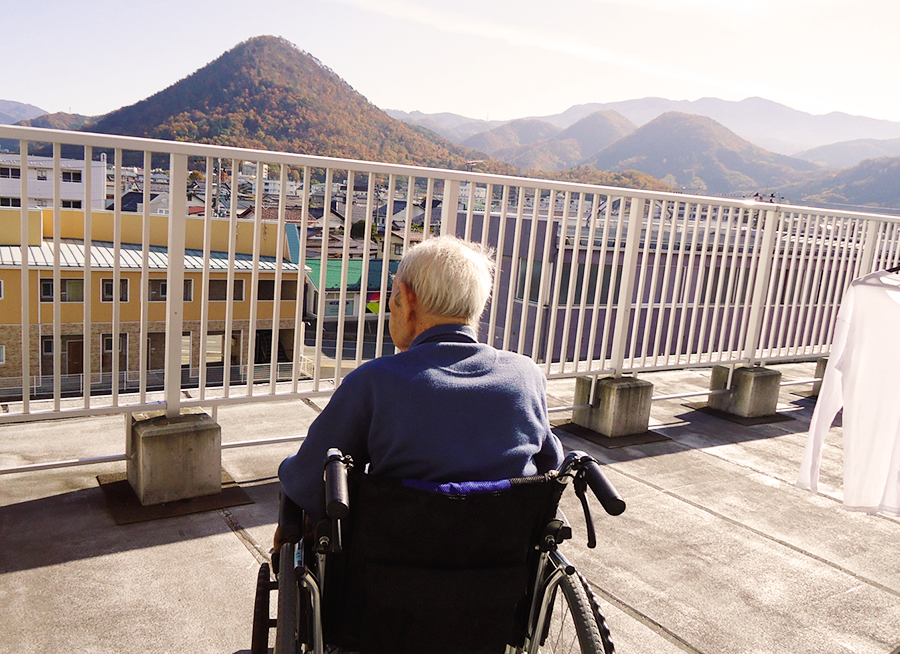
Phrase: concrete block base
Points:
(821, 364)
(754, 391)
(174, 458)
(620, 406)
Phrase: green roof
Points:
(354, 273)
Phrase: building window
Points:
(108, 343)
(1, 289)
(398, 249)
(42, 175)
(47, 346)
(70, 290)
(266, 289)
(159, 290)
(71, 204)
(10, 173)
(218, 290)
(46, 290)
(10, 202)
(71, 176)
(106, 292)
(2, 354)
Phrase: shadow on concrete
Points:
(79, 525)
(689, 426)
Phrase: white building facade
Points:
(40, 182)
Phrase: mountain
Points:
(12, 112)
(566, 148)
(265, 93)
(453, 127)
(873, 183)
(58, 121)
(765, 123)
(524, 131)
(700, 155)
(850, 153)
(588, 175)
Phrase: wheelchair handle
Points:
(586, 466)
(337, 493)
(603, 489)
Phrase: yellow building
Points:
(97, 283)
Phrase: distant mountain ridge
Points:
(765, 123)
(452, 127)
(850, 153)
(58, 121)
(536, 145)
(700, 155)
(12, 112)
(873, 183)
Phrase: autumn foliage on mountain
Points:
(589, 175)
(267, 94)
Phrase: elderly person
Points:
(445, 408)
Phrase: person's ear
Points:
(410, 297)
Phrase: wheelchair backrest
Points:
(438, 567)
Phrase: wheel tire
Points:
(286, 641)
(259, 642)
(573, 625)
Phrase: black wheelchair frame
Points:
(559, 613)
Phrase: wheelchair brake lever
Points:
(581, 492)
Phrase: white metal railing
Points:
(591, 280)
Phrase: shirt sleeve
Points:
(830, 400)
(344, 424)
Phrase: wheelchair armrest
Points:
(290, 520)
(556, 531)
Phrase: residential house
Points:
(359, 303)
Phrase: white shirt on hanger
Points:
(863, 376)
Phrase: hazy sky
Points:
(480, 58)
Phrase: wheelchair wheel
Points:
(575, 622)
(259, 643)
(288, 620)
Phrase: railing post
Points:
(626, 287)
(449, 208)
(760, 286)
(868, 247)
(175, 281)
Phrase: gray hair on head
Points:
(451, 278)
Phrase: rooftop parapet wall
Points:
(131, 227)
(10, 226)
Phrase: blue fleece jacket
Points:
(447, 409)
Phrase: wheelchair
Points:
(402, 566)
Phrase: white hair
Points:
(451, 278)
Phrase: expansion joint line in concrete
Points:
(258, 552)
(644, 619)
(764, 535)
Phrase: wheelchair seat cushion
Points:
(440, 567)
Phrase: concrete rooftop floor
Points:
(718, 551)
